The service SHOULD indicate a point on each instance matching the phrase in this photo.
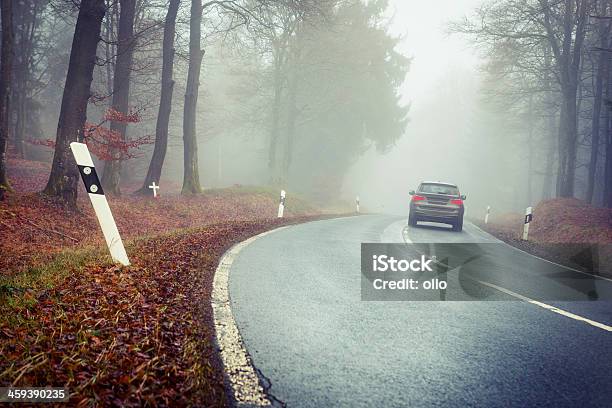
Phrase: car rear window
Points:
(439, 189)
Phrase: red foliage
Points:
(105, 143)
(571, 220)
(560, 220)
(113, 115)
(42, 142)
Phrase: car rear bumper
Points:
(436, 215)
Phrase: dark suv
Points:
(437, 202)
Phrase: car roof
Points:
(439, 182)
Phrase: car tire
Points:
(412, 220)
(458, 225)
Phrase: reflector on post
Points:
(99, 203)
(281, 204)
(528, 218)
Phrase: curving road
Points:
(296, 299)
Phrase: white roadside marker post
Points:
(281, 204)
(528, 218)
(357, 204)
(154, 188)
(487, 214)
(99, 203)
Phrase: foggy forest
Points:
(211, 122)
(209, 94)
(293, 93)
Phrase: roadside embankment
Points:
(564, 230)
(141, 335)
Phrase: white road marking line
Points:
(550, 262)
(548, 307)
(244, 381)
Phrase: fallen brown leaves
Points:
(571, 220)
(134, 336)
(564, 230)
(560, 220)
(35, 228)
(141, 335)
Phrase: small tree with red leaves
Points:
(104, 143)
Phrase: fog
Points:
(443, 89)
(357, 98)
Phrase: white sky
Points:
(422, 23)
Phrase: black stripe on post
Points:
(528, 218)
(91, 180)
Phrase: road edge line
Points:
(545, 260)
(547, 307)
(241, 375)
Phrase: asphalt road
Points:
(296, 297)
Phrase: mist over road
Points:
(296, 299)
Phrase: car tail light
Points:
(417, 198)
(457, 201)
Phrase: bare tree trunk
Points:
(568, 53)
(552, 133)
(165, 101)
(5, 80)
(570, 144)
(602, 72)
(18, 75)
(191, 174)
(275, 125)
(73, 113)
(607, 135)
(530, 128)
(292, 93)
(121, 90)
(550, 159)
(21, 118)
(109, 48)
(607, 132)
(595, 129)
(24, 23)
(607, 193)
(561, 150)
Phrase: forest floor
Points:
(563, 230)
(122, 336)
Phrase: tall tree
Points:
(191, 174)
(292, 97)
(121, 90)
(5, 81)
(519, 35)
(277, 89)
(601, 72)
(567, 51)
(27, 20)
(607, 131)
(165, 102)
(279, 31)
(73, 112)
(342, 95)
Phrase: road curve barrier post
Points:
(528, 218)
(99, 203)
(357, 204)
(281, 204)
(487, 214)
